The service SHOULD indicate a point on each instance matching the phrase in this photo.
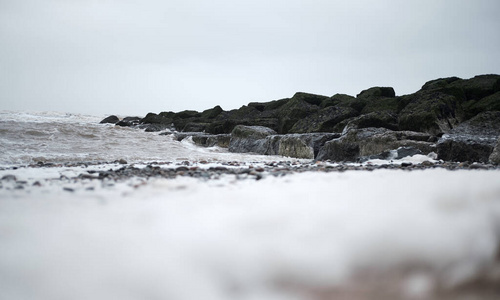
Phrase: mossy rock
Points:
(309, 98)
(211, 113)
(378, 119)
(478, 87)
(294, 110)
(324, 120)
(377, 92)
(185, 114)
(433, 112)
(271, 105)
(343, 100)
(152, 118)
(390, 105)
(439, 83)
(489, 103)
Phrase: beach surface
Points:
(381, 234)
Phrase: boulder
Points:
(383, 119)
(473, 140)
(323, 120)
(305, 145)
(110, 120)
(357, 143)
(294, 110)
(377, 92)
(211, 113)
(495, 154)
(152, 118)
(249, 139)
(129, 121)
(434, 112)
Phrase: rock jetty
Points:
(459, 119)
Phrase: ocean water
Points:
(52, 137)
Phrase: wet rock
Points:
(249, 139)
(129, 122)
(111, 119)
(297, 145)
(473, 140)
(357, 143)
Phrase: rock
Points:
(489, 103)
(154, 127)
(111, 120)
(396, 154)
(268, 106)
(325, 120)
(9, 177)
(342, 100)
(249, 139)
(473, 140)
(129, 122)
(294, 110)
(478, 87)
(434, 112)
(382, 119)
(210, 140)
(495, 154)
(357, 143)
(376, 92)
(152, 118)
(297, 145)
(212, 113)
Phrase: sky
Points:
(130, 57)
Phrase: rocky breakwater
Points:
(457, 118)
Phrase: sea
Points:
(52, 137)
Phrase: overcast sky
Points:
(132, 57)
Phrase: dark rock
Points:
(293, 111)
(473, 140)
(195, 127)
(111, 119)
(249, 139)
(439, 83)
(376, 92)
(185, 114)
(357, 143)
(309, 98)
(267, 106)
(434, 112)
(9, 177)
(325, 120)
(155, 127)
(152, 118)
(382, 119)
(478, 87)
(489, 103)
(129, 122)
(211, 113)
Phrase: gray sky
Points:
(132, 57)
